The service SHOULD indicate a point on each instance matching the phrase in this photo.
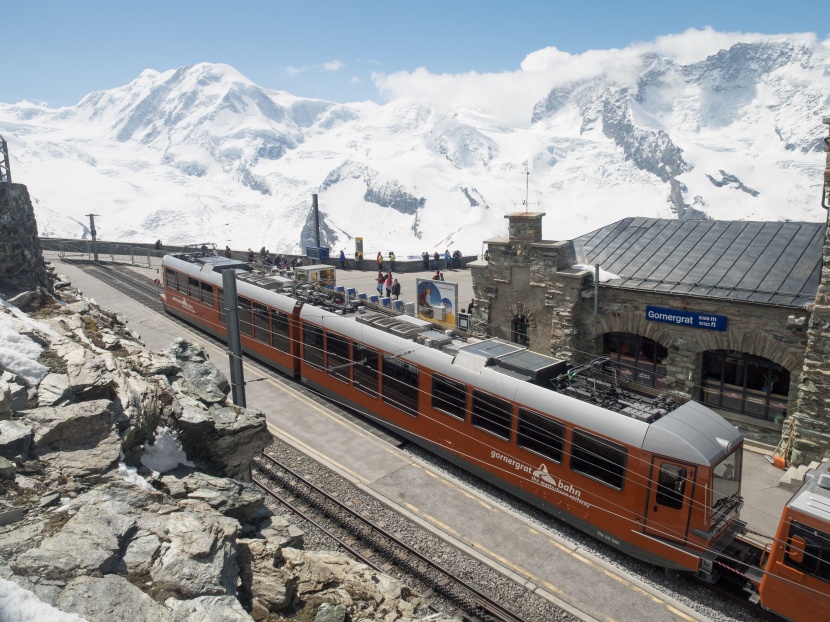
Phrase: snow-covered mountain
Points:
(202, 154)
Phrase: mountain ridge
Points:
(203, 153)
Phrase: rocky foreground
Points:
(123, 495)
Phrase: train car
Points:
(192, 290)
(661, 486)
(795, 582)
(659, 482)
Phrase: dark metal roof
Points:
(766, 262)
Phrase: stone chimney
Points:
(525, 227)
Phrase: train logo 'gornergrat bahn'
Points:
(657, 480)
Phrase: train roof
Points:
(813, 499)
(691, 433)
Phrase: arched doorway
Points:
(746, 384)
(640, 359)
(520, 330)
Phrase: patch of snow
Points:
(131, 476)
(604, 275)
(20, 605)
(165, 454)
(18, 353)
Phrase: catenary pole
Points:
(234, 341)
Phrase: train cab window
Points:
(313, 345)
(220, 296)
(598, 458)
(399, 384)
(194, 287)
(261, 329)
(245, 324)
(170, 278)
(365, 369)
(541, 435)
(671, 485)
(338, 362)
(280, 337)
(808, 550)
(181, 282)
(492, 414)
(449, 397)
(207, 293)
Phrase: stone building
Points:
(731, 314)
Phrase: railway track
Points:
(382, 550)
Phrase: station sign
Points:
(692, 319)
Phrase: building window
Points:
(639, 359)
(520, 330)
(746, 384)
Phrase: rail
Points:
(482, 604)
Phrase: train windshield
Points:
(726, 484)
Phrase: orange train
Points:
(656, 480)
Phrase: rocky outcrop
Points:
(90, 528)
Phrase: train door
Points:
(669, 499)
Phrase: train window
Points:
(339, 359)
(280, 338)
(449, 397)
(220, 295)
(207, 293)
(195, 287)
(365, 369)
(399, 384)
(170, 277)
(245, 324)
(492, 414)
(541, 435)
(313, 345)
(599, 459)
(813, 556)
(261, 329)
(181, 282)
(671, 485)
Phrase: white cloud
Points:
(355, 80)
(293, 71)
(509, 96)
(333, 65)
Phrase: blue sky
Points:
(56, 52)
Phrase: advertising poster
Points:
(437, 301)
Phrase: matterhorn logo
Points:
(542, 473)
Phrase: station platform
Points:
(579, 578)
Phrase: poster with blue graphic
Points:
(437, 301)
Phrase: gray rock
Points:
(223, 439)
(20, 396)
(49, 500)
(22, 300)
(202, 379)
(110, 598)
(5, 399)
(15, 440)
(232, 498)
(89, 464)
(141, 552)
(330, 613)
(6, 469)
(75, 426)
(208, 609)
(53, 390)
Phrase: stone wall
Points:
(535, 278)
(21, 261)
(810, 439)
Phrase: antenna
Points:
(526, 202)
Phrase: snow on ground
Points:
(18, 353)
(20, 605)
